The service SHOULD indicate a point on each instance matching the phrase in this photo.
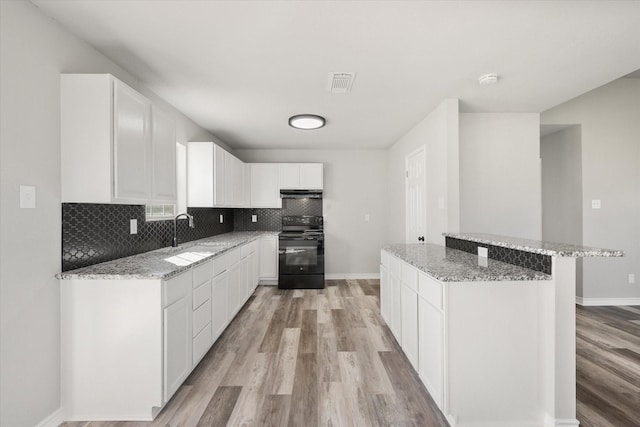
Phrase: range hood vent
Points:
(301, 194)
(341, 82)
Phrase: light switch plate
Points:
(632, 278)
(367, 218)
(440, 202)
(133, 226)
(596, 204)
(254, 218)
(483, 252)
(221, 218)
(27, 197)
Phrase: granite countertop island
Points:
(166, 262)
(470, 332)
(452, 265)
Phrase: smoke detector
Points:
(488, 79)
(341, 82)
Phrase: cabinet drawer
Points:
(201, 343)
(202, 273)
(201, 294)
(247, 249)
(176, 287)
(201, 317)
(410, 276)
(431, 290)
(226, 260)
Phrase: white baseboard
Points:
(352, 276)
(549, 421)
(53, 420)
(606, 301)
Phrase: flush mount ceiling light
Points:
(306, 121)
(488, 79)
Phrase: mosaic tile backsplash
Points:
(271, 219)
(95, 233)
(524, 259)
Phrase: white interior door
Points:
(416, 196)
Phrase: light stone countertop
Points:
(166, 262)
(536, 246)
(452, 265)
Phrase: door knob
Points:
(421, 239)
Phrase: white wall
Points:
(610, 121)
(34, 50)
(355, 184)
(561, 154)
(500, 189)
(438, 132)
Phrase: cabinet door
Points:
(410, 324)
(230, 177)
(177, 344)
(265, 192)
(269, 258)
(235, 289)
(289, 175)
(219, 304)
(311, 176)
(255, 272)
(131, 144)
(431, 349)
(200, 174)
(163, 141)
(238, 185)
(396, 306)
(385, 303)
(219, 184)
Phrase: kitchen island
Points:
(492, 338)
(134, 328)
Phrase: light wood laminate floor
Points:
(326, 358)
(608, 366)
(302, 358)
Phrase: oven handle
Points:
(286, 239)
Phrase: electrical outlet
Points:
(632, 278)
(221, 218)
(483, 252)
(133, 226)
(367, 218)
(254, 218)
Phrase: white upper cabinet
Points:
(215, 177)
(300, 176)
(265, 192)
(234, 180)
(163, 149)
(107, 143)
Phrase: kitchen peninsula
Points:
(492, 337)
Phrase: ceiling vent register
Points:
(341, 82)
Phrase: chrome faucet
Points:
(175, 226)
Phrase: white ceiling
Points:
(241, 68)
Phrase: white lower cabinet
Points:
(431, 349)
(177, 344)
(412, 304)
(409, 303)
(139, 339)
(235, 289)
(220, 308)
(269, 258)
